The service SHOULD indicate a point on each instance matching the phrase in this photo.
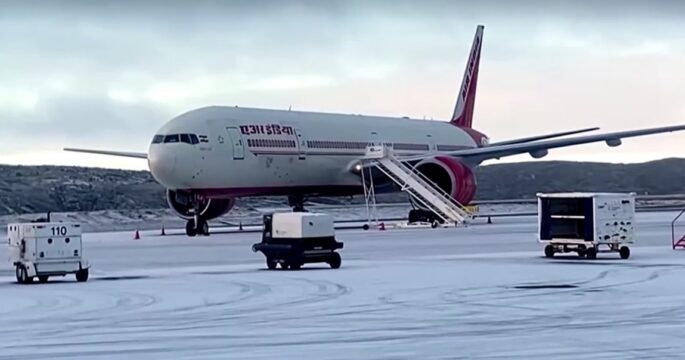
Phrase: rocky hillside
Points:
(35, 189)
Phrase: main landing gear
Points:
(420, 215)
(297, 203)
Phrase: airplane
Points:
(208, 157)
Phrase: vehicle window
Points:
(171, 138)
(158, 139)
(185, 138)
(193, 139)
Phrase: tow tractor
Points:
(290, 240)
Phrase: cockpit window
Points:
(158, 139)
(185, 138)
(171, 138)
(193, 139)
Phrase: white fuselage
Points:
(245, 152)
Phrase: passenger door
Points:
(238, 143)
(301, 143)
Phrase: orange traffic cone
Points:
(381, 226)
(136, 236)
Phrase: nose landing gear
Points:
(202, 227)
(197, 225)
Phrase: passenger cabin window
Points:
(158, 139)
(171, 139)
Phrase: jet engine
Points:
(450, 175)
(181, 202)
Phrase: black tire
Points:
(365, 227)
(190, 228)
(591, 253)
(335, 261)
(624, 251)
(549, 251)
(295, 265)
(24, 277)
(203, 229)
(271, 264)
(581, 253)
(43, 279)
(82, 275)
(284, 266)
(17, 273)
(411, 218)
(434, 224)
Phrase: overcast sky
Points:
(108, 74)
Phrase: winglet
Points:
(466, 99)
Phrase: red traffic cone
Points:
(163, 233)
(381, 226)
(136, 236)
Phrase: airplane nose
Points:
(162, 166)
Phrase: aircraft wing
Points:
(543, 137)
(107, 152)
(538, 149)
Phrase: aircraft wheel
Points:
(591, 253)
(203, 228)
(190, 228)
(271, 264)
(624, 251)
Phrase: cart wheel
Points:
(17, 273)
(434, 224)
(624, 251)
(581, 253)
(549, 251)
(271, 264)
(591, 253)
(24, 277)
(335, 261)
(82, 275)
(43, 279)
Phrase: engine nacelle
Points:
(181, 202)
(450, 175)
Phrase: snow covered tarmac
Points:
(480, 292)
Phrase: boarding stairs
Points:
(422, 189)
(677, 241)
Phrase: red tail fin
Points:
(466, 99)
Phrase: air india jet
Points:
(208, 157)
